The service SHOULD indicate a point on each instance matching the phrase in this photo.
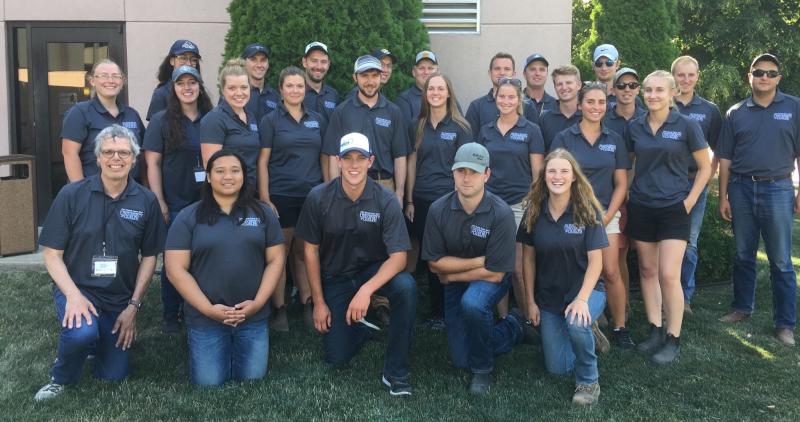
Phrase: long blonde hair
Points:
(585, 205)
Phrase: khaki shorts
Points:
(613, 225)
(518, 213)
(387, 183)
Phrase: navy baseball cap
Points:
(185, 70)
(255, 48)
(536, 57)
(366, 63)
(382, 52)
(183, 46)
(766, 57)
(316, 45)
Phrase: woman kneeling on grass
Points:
(224, 255)
(563, 236)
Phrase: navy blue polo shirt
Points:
(352, 235)
(322, 102)
(662, 159)
(82, 215)
(554, 121)
(707, 115)
(410, 102)
(534, 109)
(509, 158)
(177, 165)
(562, 256)
(159, 99)
(435, 157)
(227, 258)
(616, 123)
(262, 102)
(487, 232)
(482, 111)
(383, 124)
(598, 161)
(222, 126)
(294, 166)
(762, 141)
(86, 119)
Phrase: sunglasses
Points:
(608, 63)
(510, 81)
(630, 85)
(772, 74)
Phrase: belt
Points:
(764, 178)
(380, 175)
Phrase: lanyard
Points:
(106, 218)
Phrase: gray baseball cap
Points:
(473, 156)
(625, 71)
(367, 63)
(185, 70)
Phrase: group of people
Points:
(526, 196)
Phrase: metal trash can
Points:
(18, 231)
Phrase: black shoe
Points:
(397, 388)
(622, 338)
(480, 384)
(653, 342)
(530, 334)
(668, 352)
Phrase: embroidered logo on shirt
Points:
(132, 215)
(330, 104)
(447, 136)
(380, 121)
(607, 147)
(698, 117)
(479, 231)
(518, 137)
(253, 127)
(782, 116)
(572, 229)
(311, 124)
(270, 104)
(671, 134)
(130, 125)
(251, 222)
(369, 217)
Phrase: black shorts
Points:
(288, 209)
(648, 224)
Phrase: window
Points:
(451, 16)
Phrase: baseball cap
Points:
(185, 70)
(183, 46)
(425, 54)
(382, 52)
(255, 48)
(536, 57)
(766, 57)
(365, 63)
(472, 156)
(625, 71)
(316, 45)
(606, 50)
(354, 141)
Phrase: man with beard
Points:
(320, 97)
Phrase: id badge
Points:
(104, 266)
(199, 175)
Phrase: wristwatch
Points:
(136, 303)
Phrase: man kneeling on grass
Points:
(355, 246)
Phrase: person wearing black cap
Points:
(320, 97)
(483, 110)
(174, 166)
(567, 82)
(181, 53)
(759, 147)
(536, 99)
(469, 244)
(263, 98)
(99, 243)
(410, 100)
(355, 246)
(388, 61)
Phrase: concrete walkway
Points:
(23, 262)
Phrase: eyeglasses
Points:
(600, 63)
(509, 81)
(772, 74)
(122, 153)
(109, 77)
(630, 85)
(186, 59)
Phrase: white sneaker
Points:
(49, 391)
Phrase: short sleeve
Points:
(523, 236)
(266, 131)
(622, 159)
(75, 126)
(725, 140)
(536, 143)
(333, 133)
(694, 136)
(179, 236)
(464, 135)
(714, 127)
(309, 223)
(558, 142)
(473, 116)
(501, 248)
(630, 145)
(400, 143)
(154, 135)
(272, 233)
(595, 237)
(158, 101)
(395, 234)
(212, 129)
(433, 244)
(57, 227)
(155, 230)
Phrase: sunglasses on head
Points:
(510, 81)
(629, 85)
(607, 62)
(772, 74)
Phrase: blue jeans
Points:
(218, 353)
(343, 341)
(110, 363)
(171, 300)
(473, 336)
(690, 256)
(766, 209)
(567, 347)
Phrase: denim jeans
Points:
(343, 341)
(473, 336)
(570, 346)
(171, 300)
(218, 353)
(690, 256)
(110, 363)
(766, 209)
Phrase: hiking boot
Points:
(49, 391)
(622, 338)
(785, 336)
(397, 388)
(435, 324)
(734, 317)
(480, 384)
(308, 314)
(280, 321)
(601, 343)
(602, 320)
(668, 352)
(653, 342)
(586, 394)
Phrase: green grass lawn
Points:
(725, 373)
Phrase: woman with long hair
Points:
(224, 255)
(436, 133)
(181, 53)
(563, 237)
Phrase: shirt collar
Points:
(285, 111)
(367, 193)
(521, 122)
(483, 207)
(96, 185)
(102, 110)
(546, 209)
(381, 100)
(779, 96)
